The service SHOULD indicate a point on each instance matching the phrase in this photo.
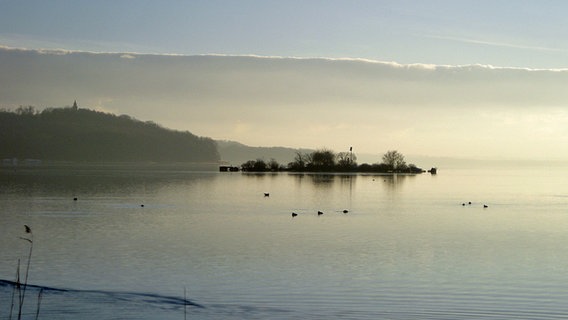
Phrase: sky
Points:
(469, 79)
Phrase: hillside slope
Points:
(236, 153)
(74, 134)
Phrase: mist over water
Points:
(410, 247)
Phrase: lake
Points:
(137, 241)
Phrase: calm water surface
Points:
(407, 248)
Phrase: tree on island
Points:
(257, 165)
(394, 160)
(346, 160)
(322, 160)
(273, 165)
(299, 163)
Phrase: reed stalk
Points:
(14, 288)
(39, 297)
(22, 288)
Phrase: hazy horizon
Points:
(467, 79)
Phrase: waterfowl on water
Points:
(294, 214)
(320, 213)
(266, 194)
(345, 211)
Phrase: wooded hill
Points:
(76, 134)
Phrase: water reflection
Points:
(74, 182)
(342, 184)
(395, 181)
(316, 179)
(322, 179)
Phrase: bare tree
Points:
(346, 159)
(299, 163)
(395, 160)
(28, 111)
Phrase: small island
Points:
(325, 160)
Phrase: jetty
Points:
(228, 169)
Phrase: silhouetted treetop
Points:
(75, 134)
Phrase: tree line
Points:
(325, 160)
(77, 134)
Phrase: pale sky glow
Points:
(478, 79)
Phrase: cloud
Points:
(252, 81)
(498, 44)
